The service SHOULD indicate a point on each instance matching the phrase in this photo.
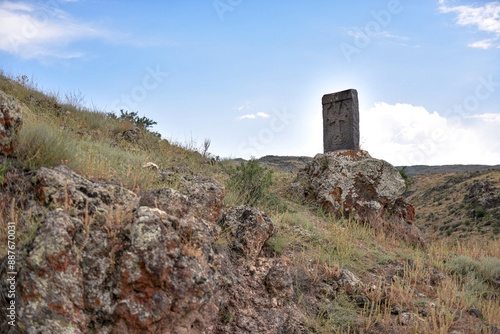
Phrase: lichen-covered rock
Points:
(96, 264)
(353, 183)
(10, 122)
(250, 228)
(166, 275)
(198, 195)
(51, 279)
(61, 187)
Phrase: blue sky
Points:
(250, 75)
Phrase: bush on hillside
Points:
(250, 181)
(404, 175)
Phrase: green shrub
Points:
(490, 268)
(131, 116)
(404, 175)
(480, 213)
(250, 181)
(463, 265)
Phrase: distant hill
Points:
(294, 164)
(422, 169)
(462, 205)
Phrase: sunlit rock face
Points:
(352, 183)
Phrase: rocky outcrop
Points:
(483, 194)
(100, 262)
(249, 228)
(353, 183)
(10, 122)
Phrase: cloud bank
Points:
(404, 134)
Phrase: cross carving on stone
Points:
(341, 121)
(338, 115)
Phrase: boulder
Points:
(353, 183)
(10, 122)
(250, 228)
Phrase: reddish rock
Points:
(166, 275)
(51, 282)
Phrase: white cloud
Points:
(32, 31)
(490, 118)
(253, 116)
(485, 18)
(404, 134)
(250, 116)
(484, 44)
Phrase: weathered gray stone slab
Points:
(341, 121)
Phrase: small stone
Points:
(274, 302)
(407, 318)
(150, 165)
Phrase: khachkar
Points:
(341, 121)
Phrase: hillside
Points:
(118, 230)
(460, 205)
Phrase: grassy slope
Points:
(307, 238)
(444, 207)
